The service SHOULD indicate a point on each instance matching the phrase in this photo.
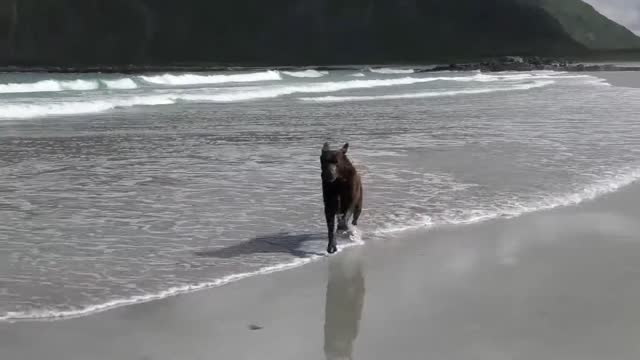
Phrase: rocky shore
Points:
(517, 63)
(507, 63)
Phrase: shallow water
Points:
(119, 189)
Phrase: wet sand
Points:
(630, 79)
(560, 284)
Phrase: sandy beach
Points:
(559, 284)
(169, 185)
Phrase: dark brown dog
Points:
(341, 190)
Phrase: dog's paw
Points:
(355, 236)
(332, 248)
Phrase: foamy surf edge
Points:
(587, 193)
(53, 315)
(50, 315)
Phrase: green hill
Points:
(584, 24)
(89, 32)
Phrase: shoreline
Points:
(450, 292)
(96, 309)
(508, 63)
(588, 194)
(183, 289)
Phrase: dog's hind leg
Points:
(342, 222)
(357, 209)
(345, 213)
(356, 214)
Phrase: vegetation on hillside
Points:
(587, 26)
(296, 31)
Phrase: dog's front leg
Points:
(345, 212)
(330, 210)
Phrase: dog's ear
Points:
(326, 147)
(345, 148)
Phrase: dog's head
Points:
(332, 162)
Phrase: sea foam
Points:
(193, 79)
(590, 192)
(49, 86)
(120, 84)
(417, 95)
(306, 73)
(22, 110)
(391, 71)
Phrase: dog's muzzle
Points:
(329, 178)
(330, 174)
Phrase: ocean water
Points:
(117, 189)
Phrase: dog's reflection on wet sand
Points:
(344, 302)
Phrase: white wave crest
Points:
(79, 85)
(192, 79)
(306, 73)
(524, 76)
(599, 82)
(49, 86)
(358, 75)
(391, 71)
(322, 87)
(25, 111)
(120, 84)
(536, 84)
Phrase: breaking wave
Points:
(391, 71)
(306, 73)
(120, 84)
(321, 87)
(22, 110)
(49, 86)
(66, 85)
(536, 84)
(193, 79)
(25, 111)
